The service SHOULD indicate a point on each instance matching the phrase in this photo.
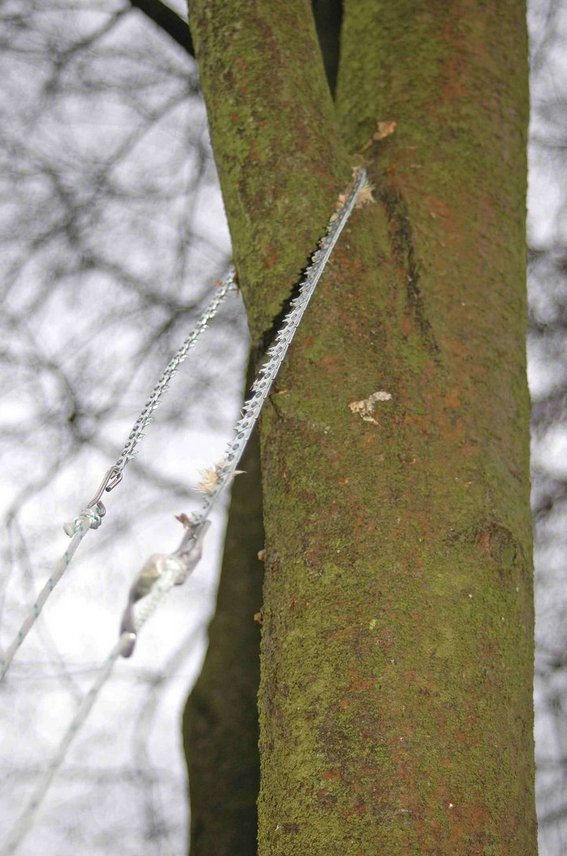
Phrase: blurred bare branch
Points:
(547, 351)
(111, 237)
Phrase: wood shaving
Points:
(365, 408)
(365, 195)
(385, 129)
(210, 479)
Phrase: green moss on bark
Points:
(395, 701)
(272, 124)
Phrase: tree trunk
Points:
(396, 669)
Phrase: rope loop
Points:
(89, 518)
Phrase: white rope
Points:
(26, 819)
(173, 570)
(162, 571)
(91, 516)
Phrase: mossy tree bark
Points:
(395, 700)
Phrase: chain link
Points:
(161, 387)
(276, 353)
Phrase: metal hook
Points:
(110, 480)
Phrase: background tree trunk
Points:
(220, 726)
(395, 701)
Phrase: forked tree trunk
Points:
(396, 666)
